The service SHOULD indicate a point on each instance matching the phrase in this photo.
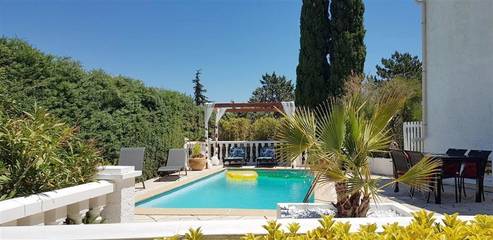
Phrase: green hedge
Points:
(423, 226)
(241, 128)
(115, 111)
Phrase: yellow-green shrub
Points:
(265, 128)
(423, 226)
(38, 153)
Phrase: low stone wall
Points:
(217, 229)
(381, 166)
(110, 199)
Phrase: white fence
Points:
(252, 149)
(413, 136)
(111, 199)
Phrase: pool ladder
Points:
(312, 187)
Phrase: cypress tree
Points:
(198, 89)
(312, 73)
(347, 50)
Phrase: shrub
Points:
(234, 129)
(40, 153)
(423, 226)
(265, 128)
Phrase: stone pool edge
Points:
(205, 212)
(166, 188)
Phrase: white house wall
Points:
(459, 74)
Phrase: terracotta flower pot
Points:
(197, 163)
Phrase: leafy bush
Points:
(240, 128)
(423, 226)
(265, 128)
(115, 111)
(234, 129)
(40, 153)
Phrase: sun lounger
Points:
(237, 156)
(133, 157)
(177, 162)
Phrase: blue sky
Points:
(161, 43)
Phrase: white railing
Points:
(110, 199)
(413, 136)
(252, 149)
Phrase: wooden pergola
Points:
(221, 108)
(250, 107)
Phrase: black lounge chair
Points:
(267, 157)
(236, 157)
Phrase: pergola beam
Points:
(248, 105)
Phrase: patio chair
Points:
(133, 157)
(267, 157)
(414, 157)
(177, 162)
(236, 157)
(452, 170)
(469, 170)
(400, 164)
(456, 152)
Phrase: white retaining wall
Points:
(110, 199)
(216, 228)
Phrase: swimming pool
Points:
(219, 191)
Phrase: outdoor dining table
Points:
(449, 159)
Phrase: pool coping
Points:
(205, 212)
(174, 185)
(202, 211)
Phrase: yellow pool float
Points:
(242, 175)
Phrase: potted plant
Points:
(197, 160)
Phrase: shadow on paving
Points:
(467, 206)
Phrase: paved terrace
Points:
(322, 194)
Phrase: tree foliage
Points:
(312, 73)
(265, 128)
(401, 70)
(198, 89)
(340, 38)
(274, 88)
(115, 111)
(234, 129)
(400, 65)
(347, 50)
(240, 128)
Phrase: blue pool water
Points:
(218, 191)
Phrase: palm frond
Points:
(296, 134)
(421, 174)
(331, 127)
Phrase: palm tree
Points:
(339, 136)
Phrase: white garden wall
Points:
(458, 74)
(110, 199)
